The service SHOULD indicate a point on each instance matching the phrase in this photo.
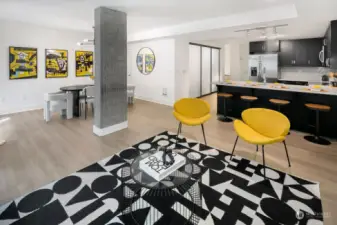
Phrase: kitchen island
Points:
(301, 118)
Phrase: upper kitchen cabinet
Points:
(331, 45)
(303, 52)
(264, 47)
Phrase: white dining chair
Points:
(61, 102)
(131, 93)
(88, 97)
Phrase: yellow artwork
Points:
(84, 63)
(56, 63)
(149, 63)
(22, 63)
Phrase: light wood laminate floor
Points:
(37, 153)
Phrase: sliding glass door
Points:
(204, 69)
(194, 73)
(215, 67)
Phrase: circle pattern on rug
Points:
(278, 211)
(104, 184)
(35, 200)
(214, 163)
(194, 156)
(129, 153)
(163, 143)
(144, 146)
(67, 185)
(270, 173)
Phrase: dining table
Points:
(75, 90)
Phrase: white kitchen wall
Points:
(27, 94)
(162, 79)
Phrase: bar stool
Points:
(248, 99)
(279, 103)
(316, 138)
(224, 118)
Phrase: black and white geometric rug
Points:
(232, 192)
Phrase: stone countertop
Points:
(313, 89)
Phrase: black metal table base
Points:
(317, 140)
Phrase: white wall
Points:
(26, 94)
(150, 87)
(236, 60)
(181, 68)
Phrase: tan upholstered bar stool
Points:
(316, 138)
(225, 118)
(248, 99)
(279, 103)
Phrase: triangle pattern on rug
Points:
(288, 180)
(278, 188)
(83, 195)
(10, 213)
(94, 168)
(114, 160)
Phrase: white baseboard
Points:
(108, 130)
(154, 101)
(20, 111)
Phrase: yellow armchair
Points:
(261, 127)
(192, 112)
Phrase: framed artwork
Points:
(146, 61)
(56, 63)
(149, 63)
(22, 63)
(140, 62)
(84, 63)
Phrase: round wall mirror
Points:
(146, 61)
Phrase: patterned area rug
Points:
(231, 192)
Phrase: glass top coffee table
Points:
(176, 179)
(178, 186)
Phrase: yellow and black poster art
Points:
(22, 63)
(56, 63)
(84, 63)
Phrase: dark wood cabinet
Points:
(331, 45)
(263, 47)
(302, 52)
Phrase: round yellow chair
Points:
(262, 127)
(192, 112)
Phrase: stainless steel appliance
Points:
(266, 67)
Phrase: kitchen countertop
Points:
(324, 90)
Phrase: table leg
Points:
(76, 102)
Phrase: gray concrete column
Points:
(110, 71)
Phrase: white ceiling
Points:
(145, 15)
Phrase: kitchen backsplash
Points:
(313, 74)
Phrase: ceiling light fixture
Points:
(264, 31)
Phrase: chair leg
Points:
(264, 165)
(285, 147)
(257, 148)
(178, 132)
(236, 140)
(85, 110)
(203, 132)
